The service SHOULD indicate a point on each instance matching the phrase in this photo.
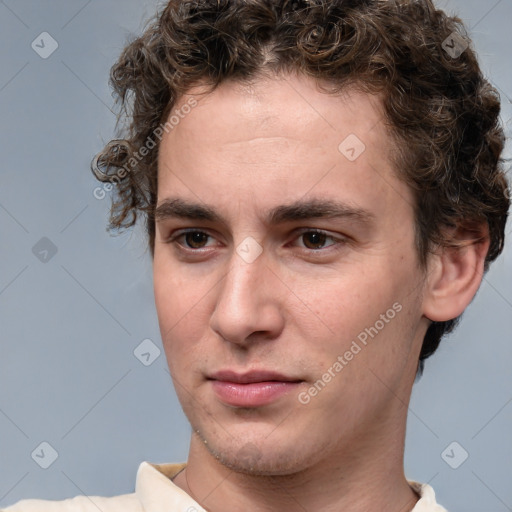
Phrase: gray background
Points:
(70, 325)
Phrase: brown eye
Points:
(312, 239)
(195, 239)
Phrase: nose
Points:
(248, 306)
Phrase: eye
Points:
(315, 239)
(194, 239)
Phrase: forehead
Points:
(278, 136)
(289, 105)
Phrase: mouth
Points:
(252, 389)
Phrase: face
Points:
(286, 278)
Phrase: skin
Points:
(300, 304)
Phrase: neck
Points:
(364, 475)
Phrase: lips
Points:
(252, 389)
(251, 377)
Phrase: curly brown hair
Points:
(442, 113)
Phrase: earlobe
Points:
(455, 274)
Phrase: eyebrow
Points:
(295, 211)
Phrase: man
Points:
(323, 192)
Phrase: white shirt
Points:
(155, 492)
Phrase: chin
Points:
(257, 464)
(259, 458)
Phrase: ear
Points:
(455, 273)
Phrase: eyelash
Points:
(339, 242)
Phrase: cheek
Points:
(367, 312)
(342, 305)
(168, 305)
(179, 302)
(176, 293)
